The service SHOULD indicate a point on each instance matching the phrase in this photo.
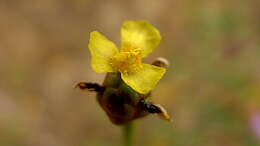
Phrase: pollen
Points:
(127, 61)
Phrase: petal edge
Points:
(144, 80)
(140, 34)
(101, 50)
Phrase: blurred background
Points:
(212, 88)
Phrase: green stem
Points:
(128, 134)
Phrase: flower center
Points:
(127, 61)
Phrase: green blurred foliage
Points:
(211, 88)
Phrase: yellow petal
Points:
(101, 50)
(145, 79)
(139, 35)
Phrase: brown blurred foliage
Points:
(210, 89)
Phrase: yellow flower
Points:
(138, 39)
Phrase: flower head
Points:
(138, 39)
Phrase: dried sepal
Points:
(163, 114)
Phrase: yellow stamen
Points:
(127, 61)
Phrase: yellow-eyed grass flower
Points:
(126, 90)
(138, 39)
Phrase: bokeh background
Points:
(211, 89)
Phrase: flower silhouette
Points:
(138, 39)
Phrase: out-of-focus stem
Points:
(128, 134)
